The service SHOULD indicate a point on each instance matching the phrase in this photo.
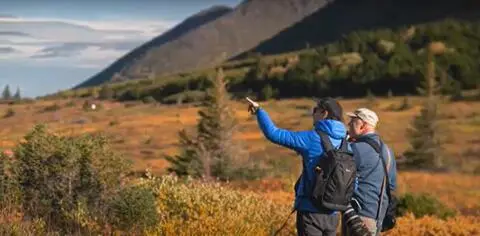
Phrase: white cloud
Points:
(75, 43)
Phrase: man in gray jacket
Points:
(371, 189)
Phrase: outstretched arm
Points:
(286, 138)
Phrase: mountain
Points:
(125, 62)
(224, 35)
(344, 16)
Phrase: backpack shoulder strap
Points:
(370, 142)
(326, 143)
(386, 182)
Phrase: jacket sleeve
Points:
(392, 172)
(291, 139)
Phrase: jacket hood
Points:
(333, 128)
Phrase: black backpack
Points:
(390, 216)
(334, 176)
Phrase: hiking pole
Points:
(284, 223)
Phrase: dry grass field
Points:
(144, 133)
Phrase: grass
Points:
(160, 125)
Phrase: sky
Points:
(50, 45)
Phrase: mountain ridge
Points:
(190, 23)
(208, 44)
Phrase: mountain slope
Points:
(128, 60)
(242, 29)
(344, 16)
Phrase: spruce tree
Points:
(17, 95)
(426, 148)
(6, 95)
(212, 151)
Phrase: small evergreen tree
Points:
(426, 149)
(17, 95)
(212, 151)
(6, 95)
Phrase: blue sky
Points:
(50, 45)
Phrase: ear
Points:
(325, 114)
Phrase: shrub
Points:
(66, 180)
(35, 227)
(133, 209)
(193, 207)
(149, 100)
(423, 204)
(10, 195)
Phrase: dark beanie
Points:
(335, 110)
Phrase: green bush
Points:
(66, 181)
(134, 208)
(149, 100)
(423, 204)
(10, 195)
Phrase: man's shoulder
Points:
(360, 146)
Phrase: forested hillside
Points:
(377, 60)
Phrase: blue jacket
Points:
(370, 175)
(308, 145)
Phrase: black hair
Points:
(335, 110)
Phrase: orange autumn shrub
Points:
(207, 208)
(459, 225)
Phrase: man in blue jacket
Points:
(327, 117)
(370, 171)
